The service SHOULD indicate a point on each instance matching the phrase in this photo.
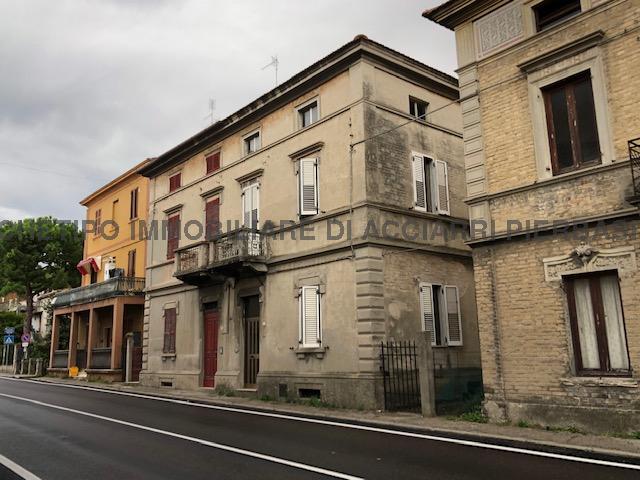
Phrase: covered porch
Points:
(93, 336)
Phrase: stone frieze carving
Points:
(585, 259)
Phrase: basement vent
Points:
(309, 392)
(166, 384)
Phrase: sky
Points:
(90, 88)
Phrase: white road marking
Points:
(219, 446)
(456, 441)
(17, 469)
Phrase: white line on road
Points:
(17, 469)
(457, 441)
(249, 453)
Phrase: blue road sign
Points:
(9, 330)
(8, 339)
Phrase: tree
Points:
(37, 255)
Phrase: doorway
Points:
(251, 340)
(210, 350)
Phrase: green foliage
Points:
(11, 319)
(523, 424)
(37, 255)
(475, 415)
(40, 346)
(224, 390)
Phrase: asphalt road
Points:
(58, 432)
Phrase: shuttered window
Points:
(169, 345)
(251, 205)
(430, 185)
(98, 220)
(310, 326)
(175, 182)
(440, 314)
(213, 162)
(212, 218)
(131, 263)
(173, 235)
(133, 205)
(308, 186)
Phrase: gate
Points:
(399, 364)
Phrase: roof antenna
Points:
(212, 107)
(274, 63)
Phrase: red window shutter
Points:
(175, 182)
(173, 235)
(131, 268)
(169, 331)
(213, 162)
(212, 214)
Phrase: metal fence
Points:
(96, 291)
(399, 364)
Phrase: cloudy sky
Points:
(90, 88)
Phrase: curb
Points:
(499, 440)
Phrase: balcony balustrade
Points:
(634, 158)
(98, 291)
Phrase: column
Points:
(55, 335)
(91, 336)
(116, 332)
(73, 339)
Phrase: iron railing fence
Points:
(634, 157)
(399, 364)
(98, 291)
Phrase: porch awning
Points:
(85, 266)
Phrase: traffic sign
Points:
(9, 330)
(8, 339)
(25, 344)
(26, 338)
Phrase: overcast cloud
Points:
(90, 88)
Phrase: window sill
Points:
(168, 356)
(614, 381)
(304, 352)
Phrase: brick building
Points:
(549, 95)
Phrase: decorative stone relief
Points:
(499, 29)
(585, 259)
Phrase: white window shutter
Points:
(442, 187)
(310, 333)
(426, 310)
(308, 186)
(454, 319)
(419, 187)
(250, 206)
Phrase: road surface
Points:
(60, 432)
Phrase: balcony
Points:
(113, 287)
(634, 158)
(235, 254)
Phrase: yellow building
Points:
(97, 327)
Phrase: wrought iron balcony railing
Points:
(243, 245)
(634, 157)
(98, 291)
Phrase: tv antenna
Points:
(212, 107)
(274, 63)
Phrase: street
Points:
(61, 432)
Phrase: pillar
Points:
(116, 332)
(426, 375)
(91, 335)
(73, 339)
(55, 335)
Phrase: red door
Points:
(210, 346)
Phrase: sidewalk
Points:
(563, 442)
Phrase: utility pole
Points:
(274, 63)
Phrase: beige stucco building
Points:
(293, 297)
(549, 100)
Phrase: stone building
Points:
(299, 235)
(549, 101)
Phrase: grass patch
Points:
(523, 424)
(474, 414)
(224, 390)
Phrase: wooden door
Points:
(251, 340)
(136, 361)
(210, 354)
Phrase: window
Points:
(308, 186)
(173, 235)
(94, 276)
(175, 182)
(571, 124)
(252, 143)
(213, 162)
(440, 313)
(308, 114)
(133, 208)
(597, 324)
(310, 326)
(251, 204)
(430, 185)
(212, 218)
(418, 108)
(98, 221)
(552, 12)
(131, 263)
(169, 345)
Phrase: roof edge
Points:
(452, 13)
(129, 173)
